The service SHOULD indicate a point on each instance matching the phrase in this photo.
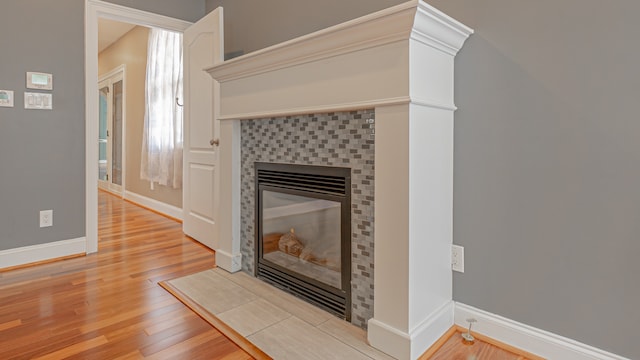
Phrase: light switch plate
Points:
(39, 101)
(6, 98)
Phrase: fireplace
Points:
(321, 140)
(303, 232)
(399, 63)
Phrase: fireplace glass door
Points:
(302, 234)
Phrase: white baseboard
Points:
(528, 338)
(388, 339)
(155, 205)
(230, 262)
(411, 345)
(35, 253)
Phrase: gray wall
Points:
(547, 166)
(547, 155)
(281, 20)
(190, 10)
(42, 152)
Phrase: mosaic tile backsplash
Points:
(344, 139)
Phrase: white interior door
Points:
(203, 47)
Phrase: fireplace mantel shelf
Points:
(400, 63)
(321, 71)
(429, 25)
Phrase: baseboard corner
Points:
(229, 262)
(412, 345)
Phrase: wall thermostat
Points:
(40, 81)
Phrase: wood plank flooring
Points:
(452, 346)
(108, 305)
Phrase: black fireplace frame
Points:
(320, 182)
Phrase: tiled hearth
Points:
(280, 324)
(343, 139)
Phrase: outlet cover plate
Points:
(46, 218)
(457, 258)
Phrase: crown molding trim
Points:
(412, 20)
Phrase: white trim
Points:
(91, 124)
(380, 28)
(528, 338)
(395, 342)
(438, 30)
(229, 262)
(113, 72)
(432, 104)
(431, 329)
(410, 346)
(155, 205)
(35, 253)
(319, 109)
(93, 10)
(121, 13)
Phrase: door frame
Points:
(114, 75)
(95, 9)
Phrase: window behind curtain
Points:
(161, 160)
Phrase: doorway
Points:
(111, 125)
(203, 47)
(94, 10)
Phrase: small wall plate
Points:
(40, 101)
(39, 81)
(6, 98)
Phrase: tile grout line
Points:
(230, 277)
(281, 293)
(340, 340)
(270, 326)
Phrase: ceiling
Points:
(109, 31)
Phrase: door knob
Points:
(215, 142)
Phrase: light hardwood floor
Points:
(451, 346)
(108, 305)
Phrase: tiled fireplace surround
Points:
(395, 65)
(344, 139)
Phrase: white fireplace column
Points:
(399, 61)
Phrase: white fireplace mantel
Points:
(399, 61)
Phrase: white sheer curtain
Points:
(162, 135)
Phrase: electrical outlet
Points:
(457, 258)
(46, 218)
